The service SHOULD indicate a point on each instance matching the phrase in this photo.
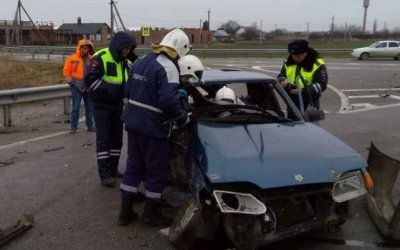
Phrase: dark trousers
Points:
(108, 139)
(147, 162)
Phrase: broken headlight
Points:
(349, 186)
(240, 203)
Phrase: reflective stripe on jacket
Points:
(307, 76)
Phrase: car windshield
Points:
(255, 102)
(374, 45)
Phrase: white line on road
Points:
(363, 96)
(32, 140)
(377, 89)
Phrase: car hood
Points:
(274, 155)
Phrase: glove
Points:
(70, 82)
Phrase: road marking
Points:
(344, 101)
(376, 89)
(32, 140)
(373, 107)
(363, 96)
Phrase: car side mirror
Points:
(314, 115)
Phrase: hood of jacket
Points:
(120, 40)
(84, 42)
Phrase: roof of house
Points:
(220, 33)
(83, 28)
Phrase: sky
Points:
(292, 15)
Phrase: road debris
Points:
(53, 149)
(8, 162)
(25, 222)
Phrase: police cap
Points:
(297, 47)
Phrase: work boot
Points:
(126, 214)
(119, 175)
(108, 182)
(152, 216)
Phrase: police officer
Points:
(153, 106)
(106, 79)
(304, 71)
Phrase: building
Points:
(96, 32)
(197, 37)
(25, 33)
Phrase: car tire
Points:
(183, 229)
(397, 57)
(364, 56)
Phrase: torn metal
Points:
(383, 199)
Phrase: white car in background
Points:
(381, 49)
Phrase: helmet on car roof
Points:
(191, 65)
(178, 40)
(225, 95)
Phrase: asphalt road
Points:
(51, 174)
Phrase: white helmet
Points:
(178, 40)
(225, 95)
(191, 65)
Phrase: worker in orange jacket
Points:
(74, 71)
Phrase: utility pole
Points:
(17, 26)
(308, 30)
(112, 19)
(209, 29)
(333, 25)
(365, 5)
(260, 32)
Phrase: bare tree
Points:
(231, 27)
(251, 33)
(205, 25)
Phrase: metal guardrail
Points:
(36, 51)
(23, 95)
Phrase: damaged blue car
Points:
(254, 170)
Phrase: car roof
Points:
(387, 41)
(224, 76)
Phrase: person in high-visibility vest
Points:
(105, 80)
(305, 72)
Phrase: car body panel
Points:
(381, 49)
(274, 155)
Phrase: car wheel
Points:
(364, 56)
(397, 57)
(183, 229)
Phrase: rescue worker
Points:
(225, 95)
(305, 67)
(106, 81)
(190, 70)
(74, 71)
(153, 107)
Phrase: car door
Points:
(380, 50)
(393, 49)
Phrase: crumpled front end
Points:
(254, 217)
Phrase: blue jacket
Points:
(153, 98)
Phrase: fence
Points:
(54, 52)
